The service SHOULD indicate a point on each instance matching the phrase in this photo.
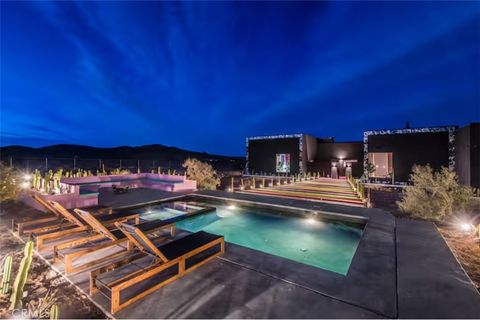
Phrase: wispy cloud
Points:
(203, 75)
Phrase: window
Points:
(383, 162)
(283, 162)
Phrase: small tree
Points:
(433, 195)
(203, 173)
(10, 180)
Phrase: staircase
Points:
(323, 189)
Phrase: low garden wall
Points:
(83, 191)
(135, 180)
(69, 200)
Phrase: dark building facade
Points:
(467, 154)
(383, 155)
(393, 153)
(262, 154)
(298, 153)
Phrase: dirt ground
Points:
(467, 250)
(71, 302)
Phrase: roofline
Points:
(447, 127)
(277, 136)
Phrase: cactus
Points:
(7, 271)
(54, 312)
(21, 278)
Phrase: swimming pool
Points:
(325, 244)
(170, 210)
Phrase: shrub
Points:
(203, 173)
(10, 180)
(433, 195)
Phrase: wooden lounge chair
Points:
(113, 243)
(132, 279)
(75, 226)
(46, 217)
(51, 220)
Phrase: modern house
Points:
(383, 155)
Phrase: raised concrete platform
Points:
(431, 282)
(135, 196)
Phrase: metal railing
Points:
(53, 163)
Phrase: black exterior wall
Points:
(412, 148)
(467, 155)
(262, 154)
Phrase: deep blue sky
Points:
(203, 76)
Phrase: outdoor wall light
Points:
(27, 177)
(466, 227)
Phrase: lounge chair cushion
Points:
(145, 227)
(151, 225)
(177, 248)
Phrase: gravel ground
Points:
(72, 303)
(467, 250)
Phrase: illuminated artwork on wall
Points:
(283, 162)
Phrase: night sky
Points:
(203, 76)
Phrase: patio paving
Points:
(138, 195)
(431, 282)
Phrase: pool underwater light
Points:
(232, 207)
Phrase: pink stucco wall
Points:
(68, 200)
(134, 180)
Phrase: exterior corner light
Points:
(466, 227)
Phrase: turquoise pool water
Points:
(322, 244)
(168, 210)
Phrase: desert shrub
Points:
(119, 171)
(10, 180)
(203, 173)
(433, 195)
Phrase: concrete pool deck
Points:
(402, 268)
